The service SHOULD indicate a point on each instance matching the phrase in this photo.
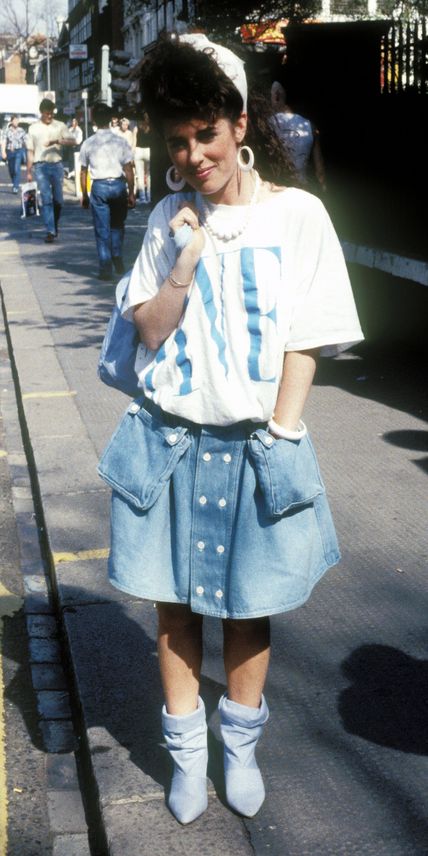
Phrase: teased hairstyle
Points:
(47, 106)
(101, 114)
(179, 83)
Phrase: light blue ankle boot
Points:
(241, 727)
(186, 740)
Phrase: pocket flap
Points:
(141, 456)
(287, 471)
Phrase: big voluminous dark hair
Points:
(180, 83)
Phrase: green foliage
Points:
(222, 20)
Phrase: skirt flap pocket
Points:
(287, 471)
(141, 456)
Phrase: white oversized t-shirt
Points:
(280, 286)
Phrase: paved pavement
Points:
(344, 753)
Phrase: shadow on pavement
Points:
(387, 702)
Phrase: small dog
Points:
(30, 205)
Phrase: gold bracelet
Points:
(176, 284)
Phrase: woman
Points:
(13, 150)
(300, 138)
(76, 132)
(142, 144)
(218, 506)
(127, 133)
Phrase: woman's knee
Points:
(252, 628)
(177, 616)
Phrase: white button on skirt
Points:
(246, 536)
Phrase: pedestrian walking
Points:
(114, 124)
(143, 142)
(218, 506)
(13, 151)
(76, 132)
(44, 142)
(108, 157)
(126, 131)
(300, 138)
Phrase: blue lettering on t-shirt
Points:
(148, 380)
(182, 360)
(254, 313)
(204, 284)
(183, 363)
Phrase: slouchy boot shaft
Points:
(186, 740)
(241, 727)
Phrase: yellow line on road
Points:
(9, 604)
(64, 394)
(81, 555)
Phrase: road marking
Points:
(3, 453)
(63, 394)
(81, 555)
(9, 604)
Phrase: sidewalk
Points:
(343, 755)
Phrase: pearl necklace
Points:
(210, 215)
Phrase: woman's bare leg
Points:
(246, 658)
(180, 656)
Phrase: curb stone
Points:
(65, 806)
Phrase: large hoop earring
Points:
(245, 166)
(175, 186)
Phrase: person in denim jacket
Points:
(218, 505)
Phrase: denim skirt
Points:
(230, 521)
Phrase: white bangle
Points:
(286, 433)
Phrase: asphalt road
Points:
(344, 753)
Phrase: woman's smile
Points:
(205, 155)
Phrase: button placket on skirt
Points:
(215, 488)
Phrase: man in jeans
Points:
(110, 161)
(12, 150)
(44, 160)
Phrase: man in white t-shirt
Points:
(109, 158)
(44, 159)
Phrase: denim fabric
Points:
(196, 515)
(109, 208)
(49, 177)
(14, 161)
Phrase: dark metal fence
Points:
(404, 58)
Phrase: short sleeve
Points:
(127, 155)
(64, 133)
(323, 312)
(29, 142)
(83, 155)
(154, 263)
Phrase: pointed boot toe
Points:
(186, 740)
(241, 727)
(188, 797)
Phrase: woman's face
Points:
(124, 124)
(205, 155)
